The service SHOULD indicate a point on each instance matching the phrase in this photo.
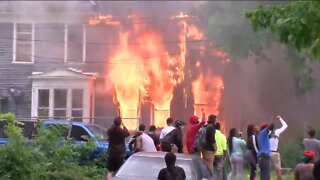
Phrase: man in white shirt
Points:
(144, 143)
(167, 129)
(274, 142)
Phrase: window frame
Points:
(66, 43)
(60, 108)
(16, 42)
(38, 107)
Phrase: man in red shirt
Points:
(192, 131)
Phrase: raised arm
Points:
(284, 126)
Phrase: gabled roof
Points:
(63, 73)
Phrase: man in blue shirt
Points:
(264, 151)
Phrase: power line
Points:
(77, 62)
(122, 22)
(104, 44)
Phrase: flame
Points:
(147, 76)
(107, 19)
(207, 92)
(145, 71)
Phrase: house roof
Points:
(63, 73)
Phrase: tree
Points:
(228, 28)
(296, 24)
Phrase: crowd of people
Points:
(205, 139)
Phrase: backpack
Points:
(132, 140)
(200, 139)
(168, 140)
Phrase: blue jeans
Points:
(264, 164)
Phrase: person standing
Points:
(194, 126)
(252, 150)
(208, 149)
(264, 150)
(168, 129)
(316, 170)
(304, 171)
(116, 149)
(154, 136)
(311, 143)
(171, 172)
(221, 153)
(274, 143)
(173, 141)
(236, 147)
(144, 142)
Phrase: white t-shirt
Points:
(274, 141)
(147, 143)
(166, 131)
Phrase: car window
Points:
(99, 132)
(138, 166)
(63, 129)
(77, 132)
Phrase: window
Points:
(23, 43)
(75, 44)
(43, 103)
(60, 103)
(77, 132)
(77, 104)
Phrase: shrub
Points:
(49, 156)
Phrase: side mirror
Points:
(84, 138)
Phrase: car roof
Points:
(159, 154)
(55, 121)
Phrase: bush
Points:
(291, 152)
(49, 156)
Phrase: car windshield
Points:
(99, 132)
(149, 167)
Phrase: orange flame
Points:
(207, 93)
(145, 70)
(107, 19)
(147, 75)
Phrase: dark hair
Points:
(142, 127)
(170, 159)
(152, 128)
(212, 119)
(250, 130)
(117, 121)
(217, 126)
(316, 170)
(169, 121)
(271, 127)
(232, 133)
(312, 133)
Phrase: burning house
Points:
(92, 66)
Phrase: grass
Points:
(287, 176)
(246, 174)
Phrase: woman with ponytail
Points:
(236, 147)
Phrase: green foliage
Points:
(49, 156)
(227, 28)
(297, 25)
(291, 152)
